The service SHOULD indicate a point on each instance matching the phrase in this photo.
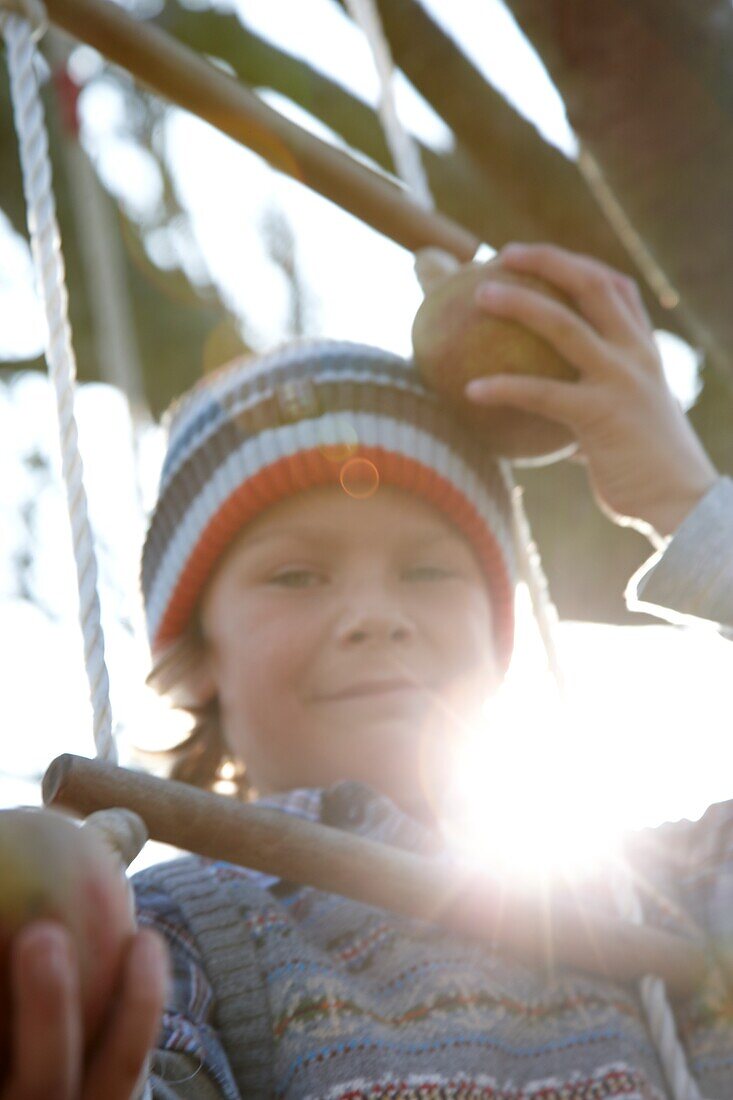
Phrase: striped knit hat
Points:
(314, 412)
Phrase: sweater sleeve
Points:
(692, 863)
(692, 576)
(189, 1062)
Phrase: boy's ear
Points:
(199, 686)
(184, 674)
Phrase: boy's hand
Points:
(646, 465)
(47, 1056)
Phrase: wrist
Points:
(666, 517)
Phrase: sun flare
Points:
(523, 800)
(545, 784)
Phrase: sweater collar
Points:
(356, 808)
(303, 802)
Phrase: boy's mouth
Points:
(372, 687)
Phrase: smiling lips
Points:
(372, 687)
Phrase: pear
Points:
(51, 868)
(454, 341)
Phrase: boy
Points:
(330, 560)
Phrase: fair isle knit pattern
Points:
(291, 993)
(313, 413)
(609, 1082)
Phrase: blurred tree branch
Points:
(502, 179)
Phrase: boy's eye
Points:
(294, 578)
(432, 572)
(303, 578)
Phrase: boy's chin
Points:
(410, 766)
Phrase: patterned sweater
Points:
(284, 991)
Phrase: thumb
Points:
(432, 265)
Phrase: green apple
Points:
(51, 868)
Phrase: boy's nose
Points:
(374, 615)
(373, 630)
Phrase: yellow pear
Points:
(454, 341)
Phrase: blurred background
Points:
(605, 128)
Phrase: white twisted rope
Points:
(20, 39)
(530, 568)
(660, 1018)
(405, 153)
(46, 247)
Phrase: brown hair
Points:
(203, 758)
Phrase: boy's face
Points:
(320, 596)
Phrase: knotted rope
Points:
(660, 1019)
(20, 34)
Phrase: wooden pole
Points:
(182, 76)
(531, 926)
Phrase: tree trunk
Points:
(656, 121)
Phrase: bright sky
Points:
(641, 734)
